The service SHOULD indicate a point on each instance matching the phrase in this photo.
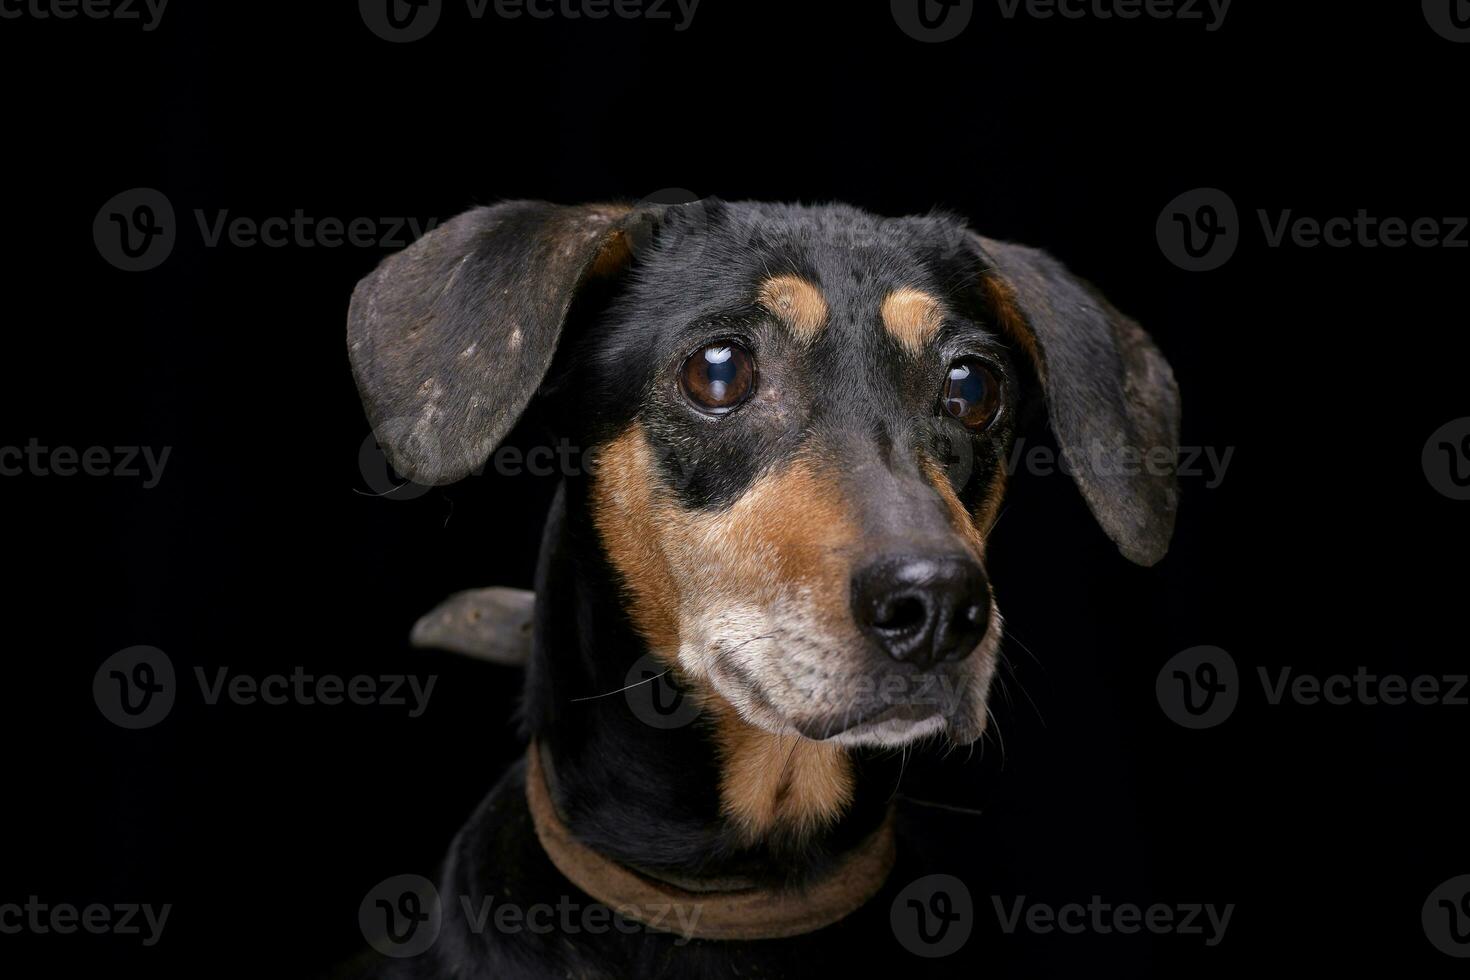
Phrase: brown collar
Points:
(739, 913)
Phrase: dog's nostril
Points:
(923, 610)
(901, 615)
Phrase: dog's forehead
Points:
(817, 264)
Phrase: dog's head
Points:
(801, 417)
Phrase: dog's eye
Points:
(717, 378)
(971, 393)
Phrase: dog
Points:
(800, 417)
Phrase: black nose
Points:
(923, 610)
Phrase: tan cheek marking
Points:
(912, 318)
(790, 529)
(799, 304)
(960, 519)
(793, 522)
(779, 784)
(623, 512)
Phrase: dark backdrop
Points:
(263, 547)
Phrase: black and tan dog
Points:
(801, 417)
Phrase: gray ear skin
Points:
(450, 338)
(488, 624)
(1110, 395)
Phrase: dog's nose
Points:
(923, 610)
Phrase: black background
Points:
(263, 548)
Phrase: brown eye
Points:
(718, 377)
(971, 393)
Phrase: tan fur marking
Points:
(779, 783)
(799, 304)
(623, 510)
(912, 317)
(788, 530)
(968, 525)
(987, 511)
(615, 254)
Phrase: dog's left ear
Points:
(450, 338)
(1110, 395)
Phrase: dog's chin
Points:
(891, 731)
(881, 726)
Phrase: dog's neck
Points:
(713, 799)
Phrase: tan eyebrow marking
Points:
(799, 304)
(912, 317)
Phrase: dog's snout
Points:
(923, 610)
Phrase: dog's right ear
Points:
(450, 338)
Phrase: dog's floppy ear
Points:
(1110, 394)
(450, 338)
